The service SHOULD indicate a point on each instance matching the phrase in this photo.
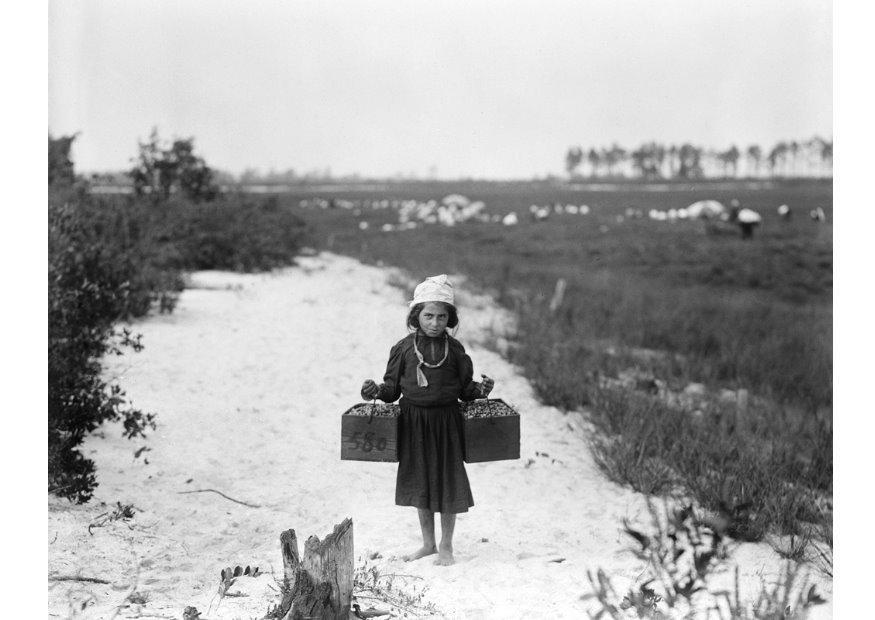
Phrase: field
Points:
(662, 325)
(695, 364)
(639, 282)
(702, 361)
(787, 261)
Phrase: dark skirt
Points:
(431, 469)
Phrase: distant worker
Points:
(734, 208)
(747, 220)
(785, 213)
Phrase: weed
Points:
(121, 513)
(391, 589)
(729, 467)
(684, 551)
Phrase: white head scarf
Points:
(434, 288)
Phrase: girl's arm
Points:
(390, 389)
(470, 388)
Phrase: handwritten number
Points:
(366, 442)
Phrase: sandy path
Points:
(249, 376)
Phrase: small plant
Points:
(191, 613)
(121, 513)
(228, 577)
(683, 552)
(391, 589)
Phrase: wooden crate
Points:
(369, 437)
(492, 437)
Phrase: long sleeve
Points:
(390, 389)
(470, 388)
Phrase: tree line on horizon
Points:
(157, 163)
(654, 160)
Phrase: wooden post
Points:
(558, 295)
(741, 402)
(320, 583)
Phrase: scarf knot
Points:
(421, 381)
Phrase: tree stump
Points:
(319, 585)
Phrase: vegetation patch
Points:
(685, 550)
(113, 258)
(673, 303)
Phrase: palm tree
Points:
(615, 155)
(730, 159)
(659, 156)
(690, 161)
(826, 156)
(754, 157)
(641, 160)
(674, 160)
(572, 159)
(607, 161)
(594, 162)
(793, 149)
(776, 155)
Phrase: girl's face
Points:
(433, 318)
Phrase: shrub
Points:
(114, 258)
(88, 291)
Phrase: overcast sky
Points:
(484, 89)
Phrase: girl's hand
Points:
(370, 390)
(486, 385)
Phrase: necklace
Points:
(421, 381)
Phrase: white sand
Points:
(249, 377)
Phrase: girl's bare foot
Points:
(445, 557)
(419, 553)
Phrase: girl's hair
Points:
(413, 315)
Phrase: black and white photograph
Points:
(460, 310)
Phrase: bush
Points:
(114, 258)
(89, 290)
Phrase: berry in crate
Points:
(382, 410)
(486, 409)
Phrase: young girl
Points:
(432, 371)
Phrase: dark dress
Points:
(431, 470)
